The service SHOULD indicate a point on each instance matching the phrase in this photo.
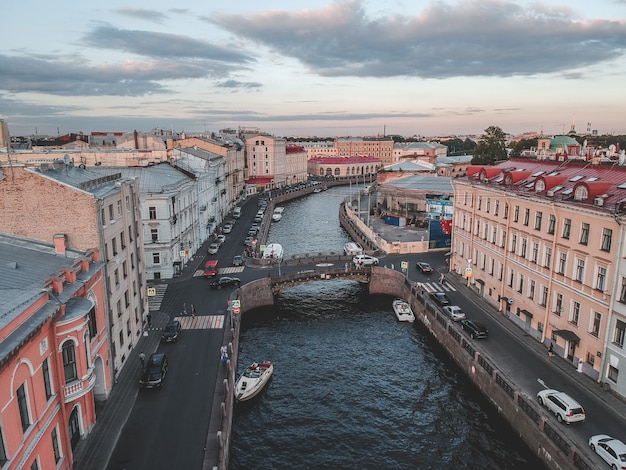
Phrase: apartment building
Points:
(54, 350)
(544, 241)
(295, 164)
(343, 166)
(265, 160)
(377, 147)
(94, 212)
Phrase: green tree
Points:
(524, 144)
(491, 148)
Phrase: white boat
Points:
(403, 311)
(278, 214)
(253, 379)
(273, 251)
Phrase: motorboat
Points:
(278, 214)
(253, 380)
(273, 251)
(403, 310)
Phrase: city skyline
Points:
(314, 68)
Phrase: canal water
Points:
(352, 387)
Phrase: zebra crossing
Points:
(228, 270)
(432, 287)
(154, 301)
(201, 322)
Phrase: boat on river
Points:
(273, 251)
(278, 214)
(403, 311)
(253, 380)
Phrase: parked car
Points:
(258, 219)
(248, 240)
(171, 331)
(425, 268)
(612, 450)
(227, 228)
(365, 260)
(440, 298)
(454, 312)
(238, 260)
(475, 328)
(154, 372)
(224, 282)
(214, 248)
(562, 405)
(221, 239)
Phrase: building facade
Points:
(544, 241)
(377, 147)
(343, 166)
(54, 350)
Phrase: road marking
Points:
(324, 265)
(154, 302)
(432, 287)
(201, 322)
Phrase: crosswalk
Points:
(228, 270)
(436, 287)
(154, 302)
(201, 322)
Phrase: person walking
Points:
(184, 309)
(149, 319)
(224, 354)
(142, 359)
(551, 349)
(193, 311)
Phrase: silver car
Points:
(454, 312)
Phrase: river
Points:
(352, 387)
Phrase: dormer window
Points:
(581, 193)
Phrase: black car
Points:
(155, 371)
(238, 260)
(441, 298)
(171, 332)
(475, 328)
(225, 281)
(424, 267)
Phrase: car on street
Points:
(225, 282)
(258, 219)
(440, 298)
(248, 240)
(365, 260)
(227, 228)
(454, 312)
(214, 248)
(612, 450)
(221, 239)
(154, 372)
(237, 260)
(170, 332)
(475, 329)
(562, 405)
(424, 268)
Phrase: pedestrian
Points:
(149, 319)
(193, 311)
(184, 309)
(551, 349)
(392, 266)
(346, 266)
(142, 358)
(224, 354)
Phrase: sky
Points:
(315, 67)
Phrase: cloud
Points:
(237, 84)
(472, 38)
(142, 14)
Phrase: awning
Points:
(526, 312)
(567, 335)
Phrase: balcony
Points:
(78, 388)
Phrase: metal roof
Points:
(431, 184)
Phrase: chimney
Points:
(60, 243)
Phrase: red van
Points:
(211, 268)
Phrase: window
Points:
(503, 240)
(595, 326)
(47, 385)
(548, 259)
(622, 294)
(154, 234)
(491, 266)
(3, 451)
(156, 258)
(580, 270)
(526, 216)
(511, 276)
(513, 243)
(488, 205)
(558, 305)
(607, 235)
(480, 202)
(55, 445)
(575, 315)
(119, 207)
(524, 244)
(538, 218)
(584, 234)
(620, 329)
(544, 297)
(153, 214)
(116, 278)
(552, 224)
(93, 326)
(34, 465)
(22, 403)
(516, 214)
(612, 373)
(127, 204)
(111, 212)
(506, 210)
(494, 235)
(535, 253)
(114, 246)
(520, 285)
(567, 227)
(69, 361)
(496, 208)
(531, 290)
(121, 338)
(562, 263)
(122, 240)
(601, 278)
(124, 269)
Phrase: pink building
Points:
(343, 166)
(54, 351)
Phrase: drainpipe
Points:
(551, 273)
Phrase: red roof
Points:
(345, 160)
(260, 180)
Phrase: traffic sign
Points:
(151, 291)
(404, 264)
(235, 303)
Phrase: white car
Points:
(562, 405)
(227, 228)
(454, 312)
(213, 248)
(221, 239)
(365, 260)
(612, 450)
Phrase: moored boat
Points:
(273, 251)
(403, 311)
(278, 214)
(253, 380)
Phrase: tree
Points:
(524, 144)
(491, 148)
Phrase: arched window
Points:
(69, 361)
(337, 171)
(581, 193)
(321, 171)
(540, 185)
